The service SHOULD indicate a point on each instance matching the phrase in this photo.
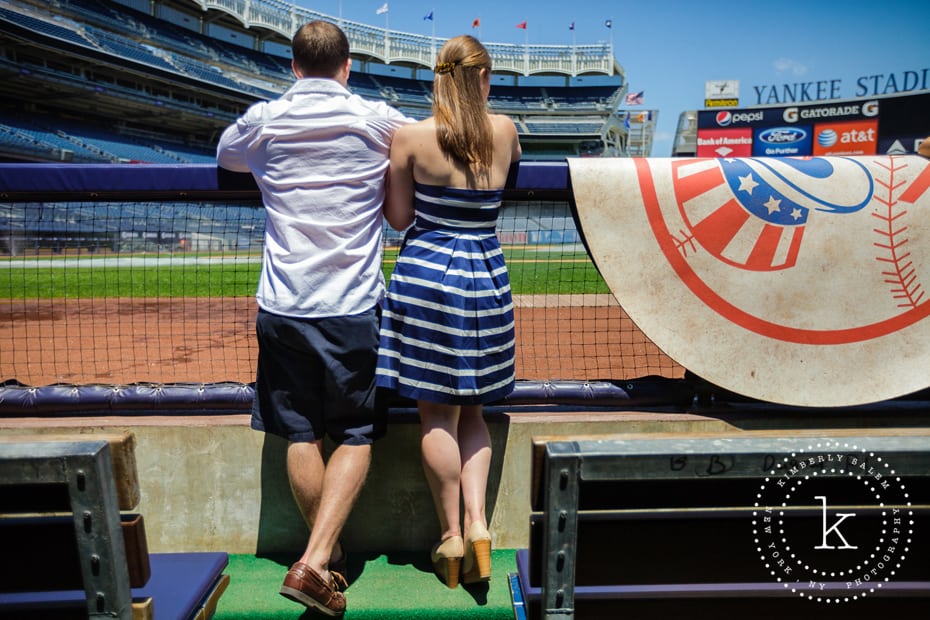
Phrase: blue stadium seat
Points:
(63, 32)
(220, 65)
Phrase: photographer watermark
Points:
(832, 522)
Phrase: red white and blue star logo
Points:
(751, 213)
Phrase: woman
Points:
(447, 331)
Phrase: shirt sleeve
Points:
(391, 121)
(232, 148)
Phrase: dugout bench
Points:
(70, 547)
(680, 526)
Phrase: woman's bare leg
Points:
(475, 454)
(442, 463)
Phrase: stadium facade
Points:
(157, 80)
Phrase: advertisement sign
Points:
(900, 145)
(721, 89)
(721, 94)
(783, 141)
(716, 119)
(832, 112)
(853, 127)
(904, 123)
(724, 142)
(850, 138)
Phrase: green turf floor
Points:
(388, 586)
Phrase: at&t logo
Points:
(827, 138)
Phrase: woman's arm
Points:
(516, 150)
(398, 200)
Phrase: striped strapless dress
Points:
(447, 330)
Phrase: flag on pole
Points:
(476, 23)
(382, 10)
(607, 23)
(571, 26)
(429, 16)
(522, 25)
(635, 98)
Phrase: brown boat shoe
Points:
(304, 585)
(340, 568)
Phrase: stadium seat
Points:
(78, 551)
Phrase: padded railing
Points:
(529, 180)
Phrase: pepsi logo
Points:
(727, 118)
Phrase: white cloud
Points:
(787, 65)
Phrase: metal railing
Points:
(392, 46)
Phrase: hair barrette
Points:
(444, 67)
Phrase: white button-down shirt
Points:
(319, 156)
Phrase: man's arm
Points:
(232, 147)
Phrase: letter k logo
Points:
(833, 528)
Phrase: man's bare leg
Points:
(330, 490)
(305, 468)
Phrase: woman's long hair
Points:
(463, 127)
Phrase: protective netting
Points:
(163, 292)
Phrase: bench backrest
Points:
(642, 510)
(61, 503)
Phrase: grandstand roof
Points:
(390, 46)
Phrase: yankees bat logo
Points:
(733, 232)
(792, 280)
(759, 223)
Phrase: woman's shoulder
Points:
(503, 123)
(426, 124)
(415, 130)
(501, 119)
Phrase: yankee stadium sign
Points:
(866, 86)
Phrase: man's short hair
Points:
(320, 49)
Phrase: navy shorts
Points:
(316, 378)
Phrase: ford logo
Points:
(782, 135)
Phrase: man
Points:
(924, 147)
(319, 156)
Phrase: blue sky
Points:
(669, 49)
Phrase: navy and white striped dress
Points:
(447, 330)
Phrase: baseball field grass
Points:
(533, 271)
